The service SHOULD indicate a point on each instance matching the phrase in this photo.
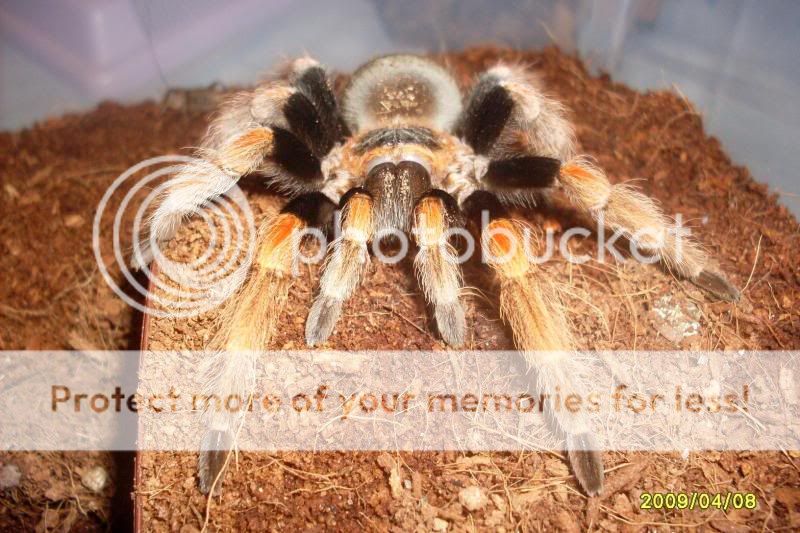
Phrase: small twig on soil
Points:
(302, 474)
(72, 485)
(320, 490)
(611, 512)
(155, 492)
(755, 262)
(16, 313)
(408, 321)
(95, 172)
(370, 520)
(774, 335)
(266, 502)
(197, 514)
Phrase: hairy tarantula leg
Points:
(199, 181)
(530, 305)
(519, 135)
(283, 128)
(346, 262)
(311, 112)
(507, 116)
(641, 220)
(248, 322)
(436, 264)
(246, 325)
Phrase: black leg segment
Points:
(294, 156)
(480, 201)
(525, 172)
(312, 112)
(313, 208)
(487, 112)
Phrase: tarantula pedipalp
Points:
(401, 150)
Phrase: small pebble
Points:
(675, 321)
(472, 498)
(440, 525)
(499, 502)
(73, 221)
(95, 479)
(9, 477)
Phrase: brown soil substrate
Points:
(54, 298)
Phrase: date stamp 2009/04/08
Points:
(697, 500)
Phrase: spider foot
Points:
(321, 319)
(717, 285)
(451, 323)
(216, 447)
(586, 462)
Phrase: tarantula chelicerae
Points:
(402, 149)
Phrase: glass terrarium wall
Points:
(737, 60)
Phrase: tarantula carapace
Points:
(403, 149)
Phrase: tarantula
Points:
(403, 149)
